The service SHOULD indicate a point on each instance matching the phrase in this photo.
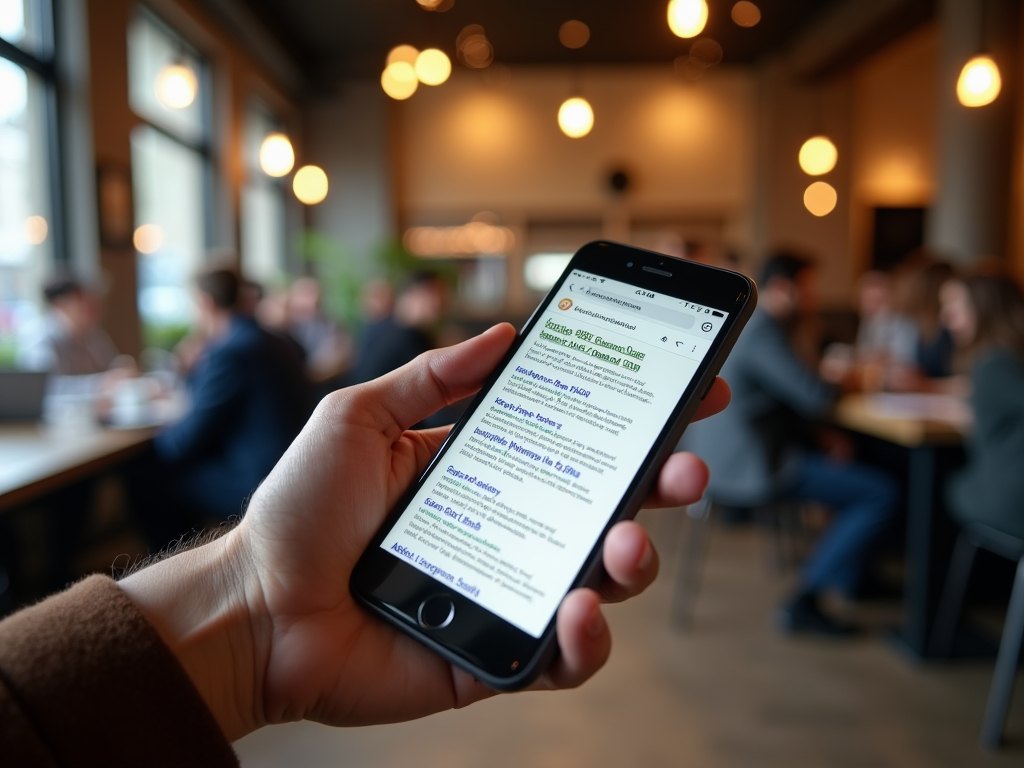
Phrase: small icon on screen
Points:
(565, 304)
(664, 338)
(716, 313)
(706, 327)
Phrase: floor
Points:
(730, 693)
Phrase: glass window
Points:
(170, 174)
(26, 224)
(263, 227)
(25, 23)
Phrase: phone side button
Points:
(436, 612)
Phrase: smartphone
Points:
(565, 439)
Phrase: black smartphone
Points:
(564, 439)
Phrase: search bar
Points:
(636, 307)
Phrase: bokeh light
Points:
(433, 67)
(176, 86)
(746, 14)
(707, 51)
(36, 230)
(575, 117)
(477, 238)
(979, 83)
(473, 48)
(440, 6)
(310, 184)
(399, 80)
(574, 34)
(277, 157)
(820, 198)
(406, 53)
(687, 18)
(818, 156)
(148, 238)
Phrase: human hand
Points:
(282, 638)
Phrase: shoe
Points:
(804, 616)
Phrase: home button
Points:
(436, 612)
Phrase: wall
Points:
(236, 77)
(465, 146)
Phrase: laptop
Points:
(21, 395)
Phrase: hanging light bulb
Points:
(176, 86)
(686, 18)
(979, 82)
(310, 184)
(575, 117)
(433, 66)
(820, 198)
(276, 155)
(818, 156)
(399, 80)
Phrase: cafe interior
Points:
(353, 163)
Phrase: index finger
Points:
(717, 399)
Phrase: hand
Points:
(269, 631)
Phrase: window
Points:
(28, 229)
(170, 173)
(263, 223)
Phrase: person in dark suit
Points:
(985, 314)
(763, 447)
(249, 399)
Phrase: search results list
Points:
(523, 493)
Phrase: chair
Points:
(973, 537)
(782, 522)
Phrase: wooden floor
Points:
(731, 694)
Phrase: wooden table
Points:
(35, 460)
(928, 426)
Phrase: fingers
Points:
(436, 379)
(717, 399)
(583, 640)
(681, 481)
(630, 562)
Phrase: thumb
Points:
(435, 379)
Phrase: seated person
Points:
(396, 339)
(985, 314)
(249, 399)
(327, 348)
(756, 454)
(69, 343)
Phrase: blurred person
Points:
(249, 399)
(985, 315)
(259, 626)
(396, 339)
(377, 300)
(764, 447)
(70, 343)
(933, 354)
(884, 335)
(328, 348)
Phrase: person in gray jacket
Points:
(762, 448)
(985, 314)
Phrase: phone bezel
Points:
(480, 641)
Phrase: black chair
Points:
(973, 537)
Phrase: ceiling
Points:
(334, 39)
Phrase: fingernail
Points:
(648, 555)
(596, 625)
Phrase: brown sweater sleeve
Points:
(85, 680)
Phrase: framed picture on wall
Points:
(114, 201)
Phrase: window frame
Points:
(44, 66)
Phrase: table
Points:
(35, 460)
(927, 426)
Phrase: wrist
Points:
(202, 603)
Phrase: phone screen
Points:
(510, 513)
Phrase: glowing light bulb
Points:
(276, 155)
(36, 230)
(433, 67)
(686, 18)
(820, 198)
(818, 156)
(176, 86)
(148, 238)
(406, 53)
(310, 184)
(575, 117)
(746, 14)
(399, 80)
(979, 82)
